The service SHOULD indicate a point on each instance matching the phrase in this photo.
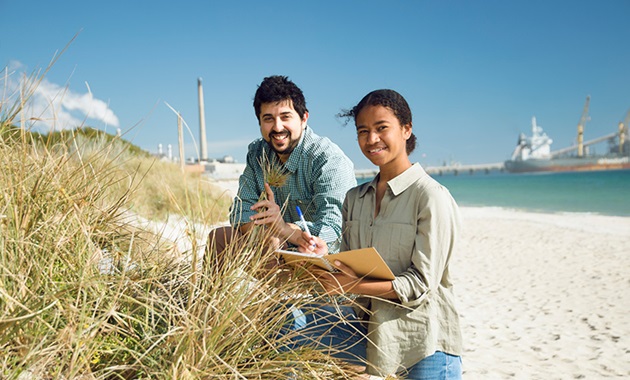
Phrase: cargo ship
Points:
(533, 153)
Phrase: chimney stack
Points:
(202, 123)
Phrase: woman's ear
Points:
(407, 130)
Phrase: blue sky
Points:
(474, 72)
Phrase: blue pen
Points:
(299, 211)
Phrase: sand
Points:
(542, 296)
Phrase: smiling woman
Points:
(382, 139)
(412, 325)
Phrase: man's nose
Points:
(277, 125)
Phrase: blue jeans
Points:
(321, 326)
(439, 366)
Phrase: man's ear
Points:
(304, 119)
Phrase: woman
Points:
(412, 220)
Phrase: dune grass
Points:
(86, 292)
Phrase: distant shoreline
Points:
(230, 186)
(581, 193)
(231, 170)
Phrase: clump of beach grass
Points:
(275, 175)
(86, 292)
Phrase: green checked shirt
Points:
(319, 175)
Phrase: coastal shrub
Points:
(87, 291)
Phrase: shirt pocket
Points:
(396, 243)
(352, 234)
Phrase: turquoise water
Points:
(606, 192)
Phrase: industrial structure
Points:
(533, 153)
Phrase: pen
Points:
(299, 211)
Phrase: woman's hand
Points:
(338, 282)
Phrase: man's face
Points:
(281, 127)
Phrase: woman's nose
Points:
(373, 137)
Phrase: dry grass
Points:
(86, 293)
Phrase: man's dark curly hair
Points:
(386, 98)
(277, 88)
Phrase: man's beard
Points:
(291, 143)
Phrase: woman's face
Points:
(381, 137)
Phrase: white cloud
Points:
(61, 108)
(14, 65)
(55, 107)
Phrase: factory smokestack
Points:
(202, 123)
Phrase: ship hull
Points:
(571, 164)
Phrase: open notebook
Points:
(366, 262)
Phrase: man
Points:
(318, 175)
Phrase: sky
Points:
(473, 72)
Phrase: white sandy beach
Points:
(542, 296)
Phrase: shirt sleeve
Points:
(332, 180)
(438, 225)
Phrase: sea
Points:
(595, 192)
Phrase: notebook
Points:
(366, 262)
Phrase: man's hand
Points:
(269, 214)
(311, 244)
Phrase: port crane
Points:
(622, 134)
(580, 128)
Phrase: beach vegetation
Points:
(89, 290)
